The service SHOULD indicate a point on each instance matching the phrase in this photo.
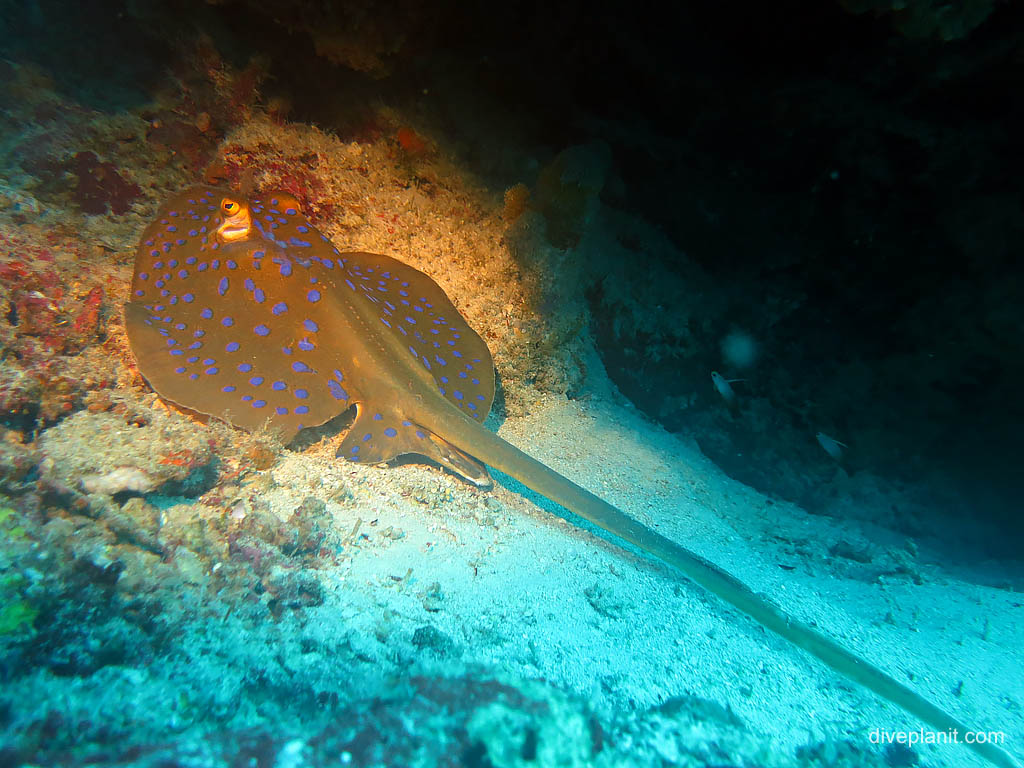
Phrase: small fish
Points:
(832, 447)
(240, 309)
(723, 385)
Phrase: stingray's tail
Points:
(499, 454)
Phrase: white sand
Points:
(519, 590)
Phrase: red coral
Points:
(410, 141)
(39, 307)
(88, 318)
(183, 458)
(43, 323)
(34, 296)
(100, 186)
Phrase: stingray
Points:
(240, 309)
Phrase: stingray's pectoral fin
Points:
(381, 434)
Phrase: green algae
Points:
(16, 613)
(12, 531)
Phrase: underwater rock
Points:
(16, 461)
(102, 454)
(486, 722)
(568, 190)
(293, 590)
(517, 200)
(214, 97)
(53, 317)
(490, 722)
(119, 480)
(60, 311)
(137, 521)
(364, 36)
(429, 637)
(100, 186)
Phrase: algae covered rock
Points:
(100, 453)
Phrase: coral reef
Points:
(51, 326)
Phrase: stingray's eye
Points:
(237, 222)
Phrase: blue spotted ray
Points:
(241, 309)
(250, 314)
